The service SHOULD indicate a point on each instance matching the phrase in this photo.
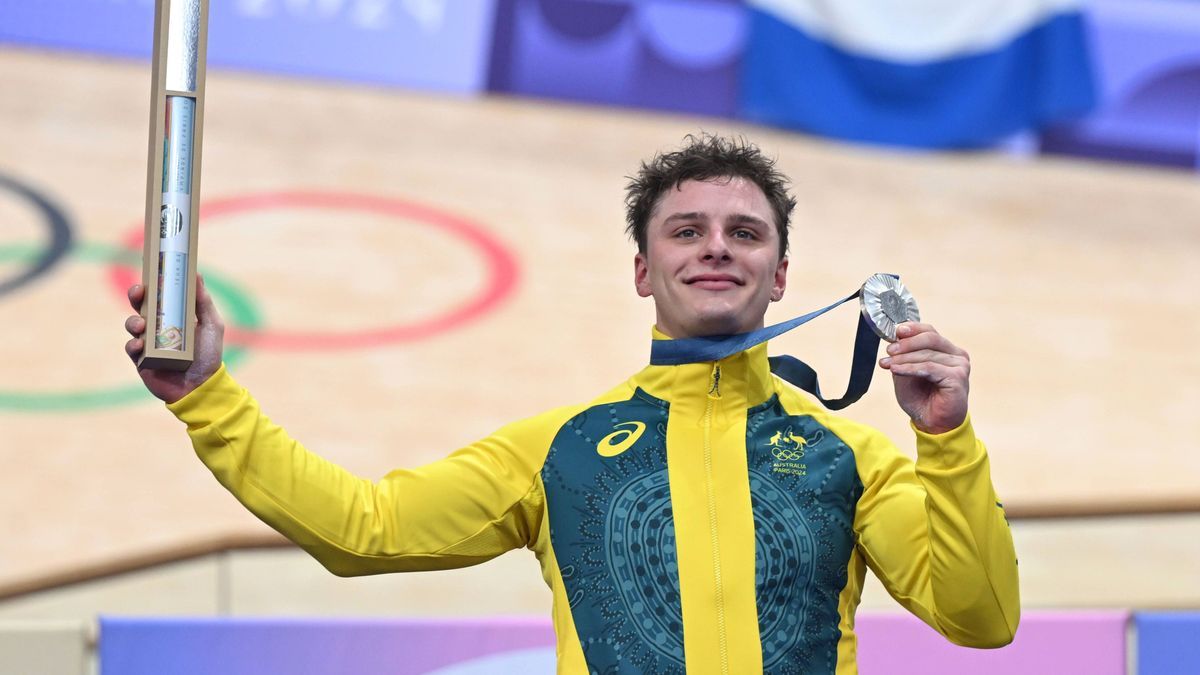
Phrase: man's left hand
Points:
(930, 375)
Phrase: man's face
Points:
(712, 259)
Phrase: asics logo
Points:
(622, 439)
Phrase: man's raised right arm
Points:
(467, 508)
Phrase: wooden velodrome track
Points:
(1073, 286)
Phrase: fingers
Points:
(929, 371)
(911, 328)
(135, 325)
(926, 356)
(136, 293)
(918, 336)
(134, 348)
(924, 353)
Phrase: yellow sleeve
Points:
(936, 535)
(470, 507)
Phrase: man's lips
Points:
(714, 282)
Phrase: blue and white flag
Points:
(925, 73)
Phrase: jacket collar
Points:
(744, 381)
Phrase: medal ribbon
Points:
(790, 368)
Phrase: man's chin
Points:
(715, 325)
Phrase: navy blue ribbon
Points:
(790, 368)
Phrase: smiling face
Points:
(712, 259)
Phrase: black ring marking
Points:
(60, 235)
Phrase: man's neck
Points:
(681, 334)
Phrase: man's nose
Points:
(716, 247)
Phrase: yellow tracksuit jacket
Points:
(705, 517)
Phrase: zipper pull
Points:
(714, 391)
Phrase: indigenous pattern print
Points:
(613, 534)
(803, 486)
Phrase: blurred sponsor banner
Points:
(242, 646)
(1092, 642)
(124, 27)
(1168, 642)
(427, 44)
(1147, 60)
(938, 73)
(681, 55)
(430, 44)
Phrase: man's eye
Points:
(687, 233)
(745, 234)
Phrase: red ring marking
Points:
(502, 269)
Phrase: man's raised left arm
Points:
(935, 533)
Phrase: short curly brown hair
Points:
(705, 157)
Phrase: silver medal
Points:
(885, 302)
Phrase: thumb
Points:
(206, 309)
(210, 333)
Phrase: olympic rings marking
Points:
(242, 312)
(60, 235)
(502, 269)
(786, 455)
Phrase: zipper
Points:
(714, 394)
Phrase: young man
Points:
(704, 516)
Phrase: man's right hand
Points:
(172, 385)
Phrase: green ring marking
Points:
(241, 309)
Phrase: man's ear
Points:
(780, 280)
(641, 274)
